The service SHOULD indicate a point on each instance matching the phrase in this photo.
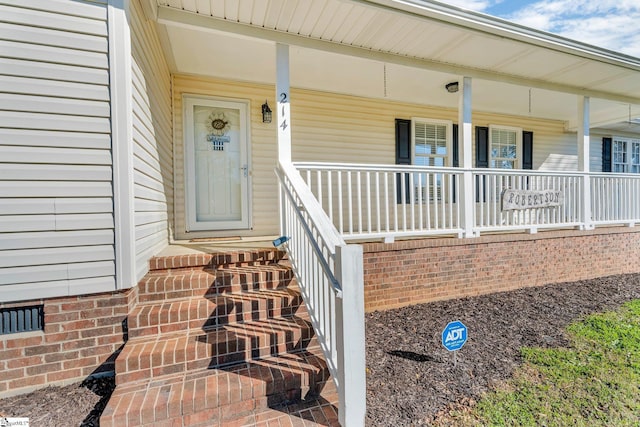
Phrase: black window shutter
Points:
(482, 159)
(455, 149)
(482, 147)
(403, 156)
(606, 154)
(403, 142)
(455, 155)
(527, 150)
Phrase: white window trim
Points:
(630, 142)
(448, 137)
(518, 132)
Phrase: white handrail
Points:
(315, 220)
(308, 200)
(330, 277)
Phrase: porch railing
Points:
(489, 185)
(378, 200)
(388, 201)
(615, 199)
(330, 276)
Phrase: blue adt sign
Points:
(454, 336)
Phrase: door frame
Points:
(244, 105)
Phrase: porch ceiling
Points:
(401, 50)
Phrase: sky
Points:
(610, 24)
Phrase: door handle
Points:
(245, 170)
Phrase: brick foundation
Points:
(82, 335)
(417, 271)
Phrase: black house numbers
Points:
(283, 99)
(218, 125)
(217, 142)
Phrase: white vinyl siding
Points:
(152, 152)
(327, 127)
(56, 198)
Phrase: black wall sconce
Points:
(452, 87)
(266, 112)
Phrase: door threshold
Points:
(215, 239)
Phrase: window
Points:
(430, 141)
(504, 151)
(431, 147)
(625, 155)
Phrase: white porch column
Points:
(465, 137)
(283, 104)
(583, 159)
(350, 336)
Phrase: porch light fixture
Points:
(266, 112)
(452, 87)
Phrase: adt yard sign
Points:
(454, 336)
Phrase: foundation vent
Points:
(21, 319)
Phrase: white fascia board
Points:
(499, 27)
(179, 18)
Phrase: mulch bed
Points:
(411, 378)
(73, 405)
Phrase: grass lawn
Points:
(595, 382)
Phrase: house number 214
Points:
(283, 100)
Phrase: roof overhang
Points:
(439, 42)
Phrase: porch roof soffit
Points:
(420, 34)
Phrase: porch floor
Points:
(212, 245)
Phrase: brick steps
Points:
(312, 411)
(160, 286)
(149, 357)
(221, 340)
(235, 258)
(212, 397)
(188, 313)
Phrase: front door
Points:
(217, 174)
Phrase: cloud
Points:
(611, 24)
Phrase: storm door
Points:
(217, 173)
